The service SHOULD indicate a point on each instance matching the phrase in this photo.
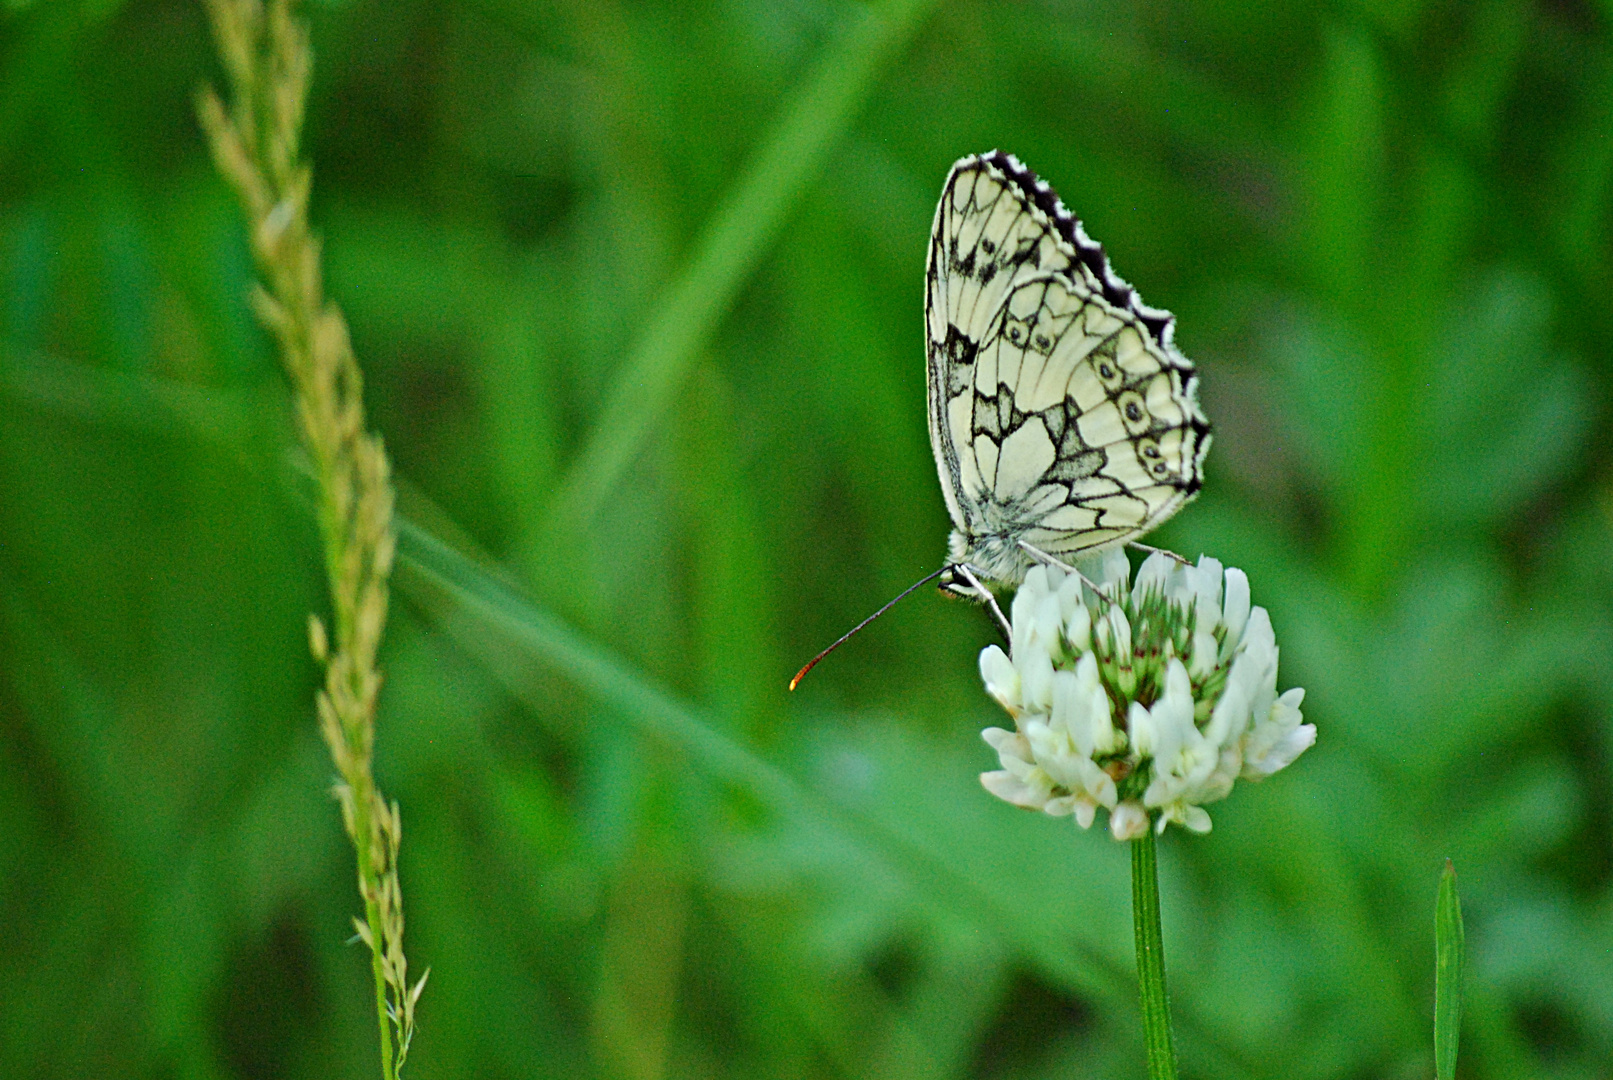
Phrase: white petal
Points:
(1049, 621)
(1164, 790)
(1218, 785)
(1259, 661)
(1269, 729)
(1035, 679)
(1209, 582)
(1099, 785)
(1235, 608)
(1104, 737)
(1172, 715)
(1205, 655)
(1008, 744)
(1054, 753)
(1141, 727)
(1117, 630)
(1190, 817)
(1070, 707)
(1001, 677)
(1022, 617)
(1060, 807)
(1078, 627)
(1257, 634)
(1178, 695)
(1026, 769)
(1198, 820)
(1206, 578)
(1231, 716)
(1154, 574)
(1128, 821)
(1070, 600)
(1283, 754)
(1011, 789)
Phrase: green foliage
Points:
(1449, 952)
(627, 852)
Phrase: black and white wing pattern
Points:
(1061, 415)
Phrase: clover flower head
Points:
(1149, 700)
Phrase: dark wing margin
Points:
(952, 353)
(1036, 191)
(1160, 324)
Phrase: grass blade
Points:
(1447, 974)
(731, 242)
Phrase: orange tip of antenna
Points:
(799, 675)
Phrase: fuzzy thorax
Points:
(996, 558)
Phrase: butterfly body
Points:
(1063, 419)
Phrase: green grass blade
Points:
(152, 407)
(1447, 974)
(435, 568)
(728, 248)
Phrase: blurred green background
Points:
(665, 261)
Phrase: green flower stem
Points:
(1151, 959)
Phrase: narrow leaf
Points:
(731, 243)
(1447, 974)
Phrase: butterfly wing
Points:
(1060, 413)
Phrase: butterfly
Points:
(1063, 419)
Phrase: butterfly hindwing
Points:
(1060, 413)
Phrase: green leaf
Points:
(1447, 974)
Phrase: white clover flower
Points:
(1149, 700)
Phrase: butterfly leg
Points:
(1043, 557)
(985, 595)
(1157, 551)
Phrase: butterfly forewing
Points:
(1061, 415)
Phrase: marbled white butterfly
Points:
(1063, 419)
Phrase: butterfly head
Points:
(962, 574)
(953, 583)
(964, 578)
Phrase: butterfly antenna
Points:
(812, 663)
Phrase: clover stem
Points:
(1151, 959)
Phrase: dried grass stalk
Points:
(256, 146)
